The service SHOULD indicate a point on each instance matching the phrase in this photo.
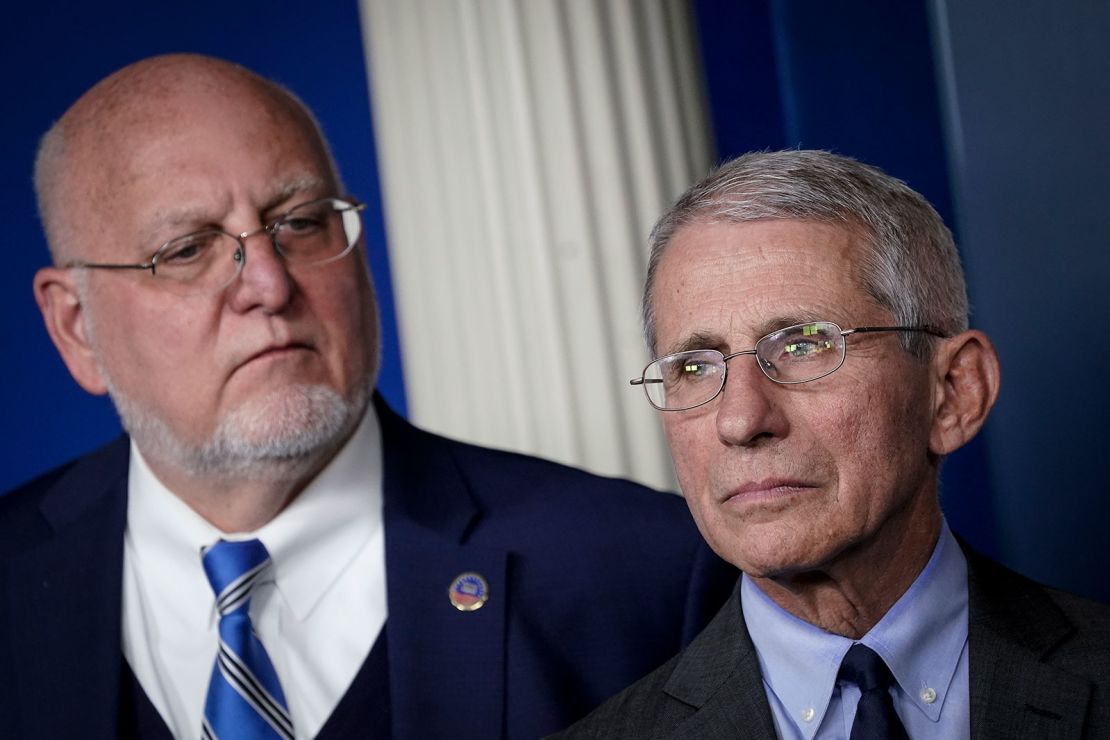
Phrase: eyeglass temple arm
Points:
(872, 329)
(111, 266)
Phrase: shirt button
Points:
(808, 714)
(928, 695)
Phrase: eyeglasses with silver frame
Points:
(313, 233)
(795, 354)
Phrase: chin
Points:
(766, 555)
(759, 567)
(288, 423)
(278, 434)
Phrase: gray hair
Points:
(47, 173)
(909, 265)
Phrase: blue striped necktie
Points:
(244, 697)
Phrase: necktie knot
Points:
(233, 569)
(876, 718)
(863, 667)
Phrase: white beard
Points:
(279, 435)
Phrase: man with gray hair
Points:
(814, 366)
(271, 552)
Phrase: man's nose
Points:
(264, 280)
(747, 411)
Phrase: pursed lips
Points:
(273, 350)
(766, 489)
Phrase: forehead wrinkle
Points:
(731, 288)
(191, 216)
(709, 339)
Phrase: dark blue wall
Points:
(1030, 155)
(51, 53)
(877, 80)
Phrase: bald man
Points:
(270, 551)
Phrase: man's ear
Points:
(967, 375)
(64, 315)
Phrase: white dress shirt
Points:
(922, 639)
(317, 612)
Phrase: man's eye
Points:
(186, 251)
(802, 347)
(301, 224)
(692, 369)
(696, 368)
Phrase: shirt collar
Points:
(310, 542)
(920, 638)
(924, 633)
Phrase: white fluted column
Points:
(525, 148)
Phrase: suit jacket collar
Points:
(1013, 627)
(443, 662)
(718, 675)
(67, 655)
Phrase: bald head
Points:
(83, 158)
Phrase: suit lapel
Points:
(67, 654)
(1013, 626)
(719, 675)
(446, 666)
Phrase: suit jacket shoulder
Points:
(61, 553)
(1039, 667)
(712, 689)
(1039, 657)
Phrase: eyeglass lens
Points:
(312, 233)
(796, 354)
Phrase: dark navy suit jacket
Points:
(593, 582)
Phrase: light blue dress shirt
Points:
(923, 639)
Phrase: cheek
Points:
(692, 443)
(345, 311)
(135, 338)
(882, 445)
(685, 444)
(692, 467)
(157, 354)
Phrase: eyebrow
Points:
(181, 220)
(781, 322)
(305, 183)
(713, 340)
(698, 340)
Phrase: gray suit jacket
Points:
(1039, 668)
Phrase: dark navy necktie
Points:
(244, 697)
(875, 715)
